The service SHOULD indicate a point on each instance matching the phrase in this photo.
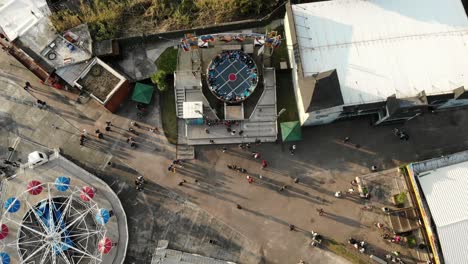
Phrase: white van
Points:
(37, 158)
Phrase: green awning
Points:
(291, 131)
(142, 93)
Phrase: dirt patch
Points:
(99, 82)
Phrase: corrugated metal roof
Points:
(382, 47)
(446, 193)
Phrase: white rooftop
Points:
(385, 47)
(17, 16)
(192, 110)
(445, 190)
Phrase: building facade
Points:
(399, 66)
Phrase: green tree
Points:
(159, 78)
(255, 7)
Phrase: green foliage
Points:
(167, 61)
(160, 10)
(108, 18)
(168, 113)
(254, 7)
(400, 198)
(365, 190)
(159, 78)
(285, 96)
(64, 20)
(411, 241)
(343, 251)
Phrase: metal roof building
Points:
(440, 187)
(17, 16)
(378, 48)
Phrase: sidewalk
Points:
(152, 214)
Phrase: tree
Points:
(159, 78)
(255, 7)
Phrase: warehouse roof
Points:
(445, 192)
(380, 47)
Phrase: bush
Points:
(411, 241)
(400, 198)
(159, 78)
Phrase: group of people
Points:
(402, 135)
(175, 163)
(41, 104)
(139, 183)
(130, 140)
(359, 245)
(230, 57)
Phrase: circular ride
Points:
(232, 76)
(54, 222)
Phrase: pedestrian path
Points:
(156, 213)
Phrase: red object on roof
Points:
(4, 231)
(105, 245)
(34, 187)
(87, 193)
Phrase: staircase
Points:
(180, 99)
(185, 152)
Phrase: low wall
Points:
(210, 29)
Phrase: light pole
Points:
(280, 113)
(199, 112)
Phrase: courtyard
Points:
(204, 207)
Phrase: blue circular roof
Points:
(232, 76)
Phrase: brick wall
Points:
(119, 97)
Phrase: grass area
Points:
(166, 64)
(341, 250)
(113, 18)
(281, 53)
(168, 113)
(167, 61)
(285, 96)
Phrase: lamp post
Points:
(199, 112)
(280, 113)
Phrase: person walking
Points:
(224, 149)
(108, 126)
(255, 155)
(249, 179)
(82, 139)
(27, 85)
(320, 211)
(292, 149)
(264, 164)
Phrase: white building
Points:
(439, 186)
(395, 59)
(17, 16)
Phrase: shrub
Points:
(411, 241)
(400, 198)
(159, 78)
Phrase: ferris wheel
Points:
(54, 222)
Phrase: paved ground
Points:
(157, 213)
(322, 163)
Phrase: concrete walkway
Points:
(158, 212)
